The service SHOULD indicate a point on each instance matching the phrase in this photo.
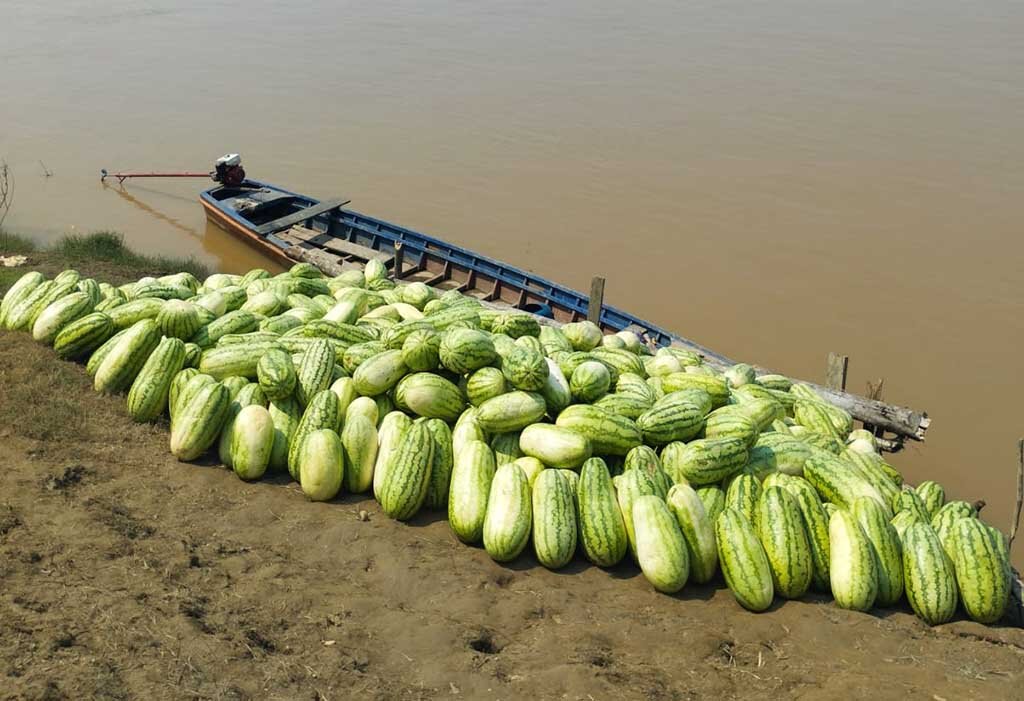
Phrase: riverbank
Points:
(126, 574)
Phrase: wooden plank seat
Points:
(287, 221)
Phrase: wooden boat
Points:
(290, 227)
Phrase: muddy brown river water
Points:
(774, 180)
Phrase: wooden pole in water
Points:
(399, 260)
(1015, 524)
(835, 371)
(596, 299)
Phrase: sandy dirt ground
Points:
(125, 574)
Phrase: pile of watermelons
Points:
(559, 436)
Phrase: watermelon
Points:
(928, 575)
(147, 398)
(252, 440)
(485, 383)
(853, 571)
(389, 435)
(602, 530)
(731, 422)
(59, 314)
(287, 414)
(428, 395)
(510, 412)
(556, 391)
(885, 544)
(582, 335)
(815, 523)
(466, 429)
(178, 319)
(126, 358)
(704, 461)
(82, 336)
(276, 374)
(590, 381)
(676, 417)
(744, 494)
(379, 373)
(661, 550)
(465, 350)
(554, 519)
(442, 460)
(780, 529)
(199, 421)
(421, 350)
(698, 531)
(984, 576)
(932, 496)
(408, 473)
(321, 465)
(321, 412)
(630, 486)
(313, 372)
(525, 369)
(532, 467)
(506, 447)
(509, 518)
(359, 445)
(608, 434)
(555, 446)
(472, 474)
(743, 561)
(21, 288)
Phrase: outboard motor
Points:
(228, 170)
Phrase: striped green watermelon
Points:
(582, 335)
(853, 571)
(17, 292)
(744, 494)
(676, 417)
(379, 373)
(932, 495)
(313, 372)
(510, 412)
(485, 383)
(408, 474)
(556, 391)
(630, 486)
(661, 550)
(780, 528)
(465, 350)
(466, 429)
(359, 443)
(82, 336)
(147, 398)
(472, 474)
(743, 561)
(608, 434)
(716, 386)
(816, 523)
(590, 381)
(928, 575)
(554, 519)
(179, 319)
(836, 482)
(199, 421)
(248, 394)
(555, 446)
(125, 359)
(428, 395)
(698, 531)
(602, 530)
(984, 576)
(731, 422)
(532, 467)
(59, 314)
(525, 369)
(252, 441)
(276, 374)
(321, 412)
(509, 518)
(321, 465)
(442, 461)
(704, 461)
(887, 549)
(421, 350)
(516, 324)
(389, 435)
(286, 414)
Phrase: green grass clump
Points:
(109, 247)
(13, 244)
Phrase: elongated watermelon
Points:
(125, 359)
(147, 398)
(83, 336)
(276, 374)
(743, 561)
(509, 518)
(510, 412)
(555, 446)
(470, 488)
(697, 529)
(928, 575)
(287, 414)
(554, 519)
(608, 433)
(885, 544)
(321, 465)
(983, 574)
(199, 422)
(407, 477)
(59, 314)
(661, 550)
(630, 486)
(744, 494)
(853, 571)
(430, 396)
(815, 523)
(321, 412)
(704, 461)
(602, 530)
(780, 529)
(442, 461)
(252, 441)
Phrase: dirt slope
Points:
(125, 574)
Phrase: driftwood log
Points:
(903, 422)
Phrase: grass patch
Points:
(14, 244)
(109, 247)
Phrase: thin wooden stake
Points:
(835, 371)
(1015, 524)
(596, 300)
(399, 260)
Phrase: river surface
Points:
(775, 180)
